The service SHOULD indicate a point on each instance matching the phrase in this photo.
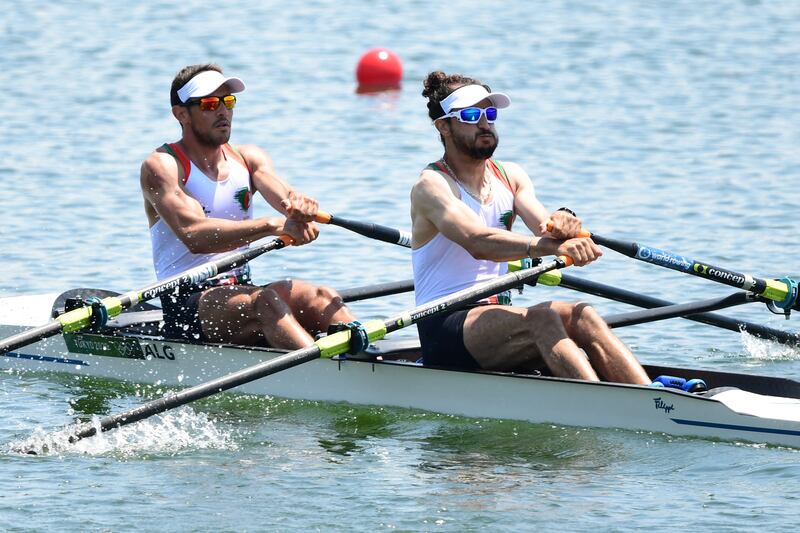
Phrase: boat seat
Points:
(137, 322)
(381, 347)
(393, 350)
(130, 318)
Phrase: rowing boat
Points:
(737, 407)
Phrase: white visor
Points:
(206, 83)
(470, 95)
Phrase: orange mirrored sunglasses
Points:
(211, 103)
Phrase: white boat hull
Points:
(537, 399)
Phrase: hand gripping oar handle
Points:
(82, 317)
(368, 229)
(325, 347)
(783, 292)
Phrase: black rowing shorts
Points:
(442, 340)
(181, 320)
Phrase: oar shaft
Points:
(199, 392)
(202, 272)
(632, 318)
(484, 290)
(29, 336)
(81, 318)
(368, 229)
(374, 291)
(771, 289)
(633, 298)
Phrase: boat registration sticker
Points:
(104, 346)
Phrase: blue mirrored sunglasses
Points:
(472, 115)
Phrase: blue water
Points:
(671, 123)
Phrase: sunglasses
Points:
(472, 115)
(211, 103)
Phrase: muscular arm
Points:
(272, 187)
(434, 204)
(434, 207)
(299, 209)
(535, 216)
(529, 208)
(184, 215)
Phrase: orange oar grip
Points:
(287, 241)
(567, 260)
(323, 217)
(583, 233)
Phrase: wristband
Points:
(529, 249)
(567, 210)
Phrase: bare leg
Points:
(607, 353)
(502, 338)
(315, 308)
(250, 315)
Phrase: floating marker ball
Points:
(379, 69)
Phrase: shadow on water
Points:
(507, 443)
(91, 396)
(355, 426)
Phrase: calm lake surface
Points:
(676, 124)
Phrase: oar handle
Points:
(368, 229)
(323, 217)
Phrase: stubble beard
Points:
(472, 149)
(211, 139)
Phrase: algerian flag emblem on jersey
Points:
(243, 196)
(505, 219)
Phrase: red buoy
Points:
(378, 69)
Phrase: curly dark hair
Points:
(184, 75)
(438, 86)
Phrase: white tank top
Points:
(229, 199)
(442, 267)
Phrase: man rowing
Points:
(198, 198)
(462, 210)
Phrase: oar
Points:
(374, 291)
(325, 347)
(784, 292)
(560, 279)
(632, 318)
(368, 229)
(111, 307)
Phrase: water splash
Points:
(761, 350)
(167, 434)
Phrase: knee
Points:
(327, 294)
(267, 302)
(543, 328)
(586, 315)
(538, 318)
(323, 297)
